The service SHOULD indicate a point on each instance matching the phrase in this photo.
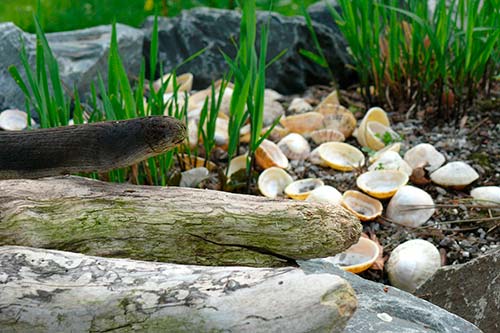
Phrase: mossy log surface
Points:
(177, 225)
(54, 291)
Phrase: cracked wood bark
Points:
(55, 291)
(172, 224)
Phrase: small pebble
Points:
(384, 316)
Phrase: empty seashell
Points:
(363, 206)
(358, 258)
(341, 156)
(268, 155)
(487, 195)
(454, 174)
(327, 135)
(300, 189)
(373, 114)
(303, 123)
(424, 155)
(339, 118)
(221, 136)
(410, 206)
(391, 160)
(412, 263)
(325, 194)
(278, 133)
(332, 98)
(295, 147)
(14, 120)
(299, 105)
(237, 163)
(395, 147)
(381, 184)
(375, 132)
(193, 177)
(315, 158)
(184, 82)
(273, 181)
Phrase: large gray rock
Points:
(471, 290)
(81, 54)
(215, 29)
(320, 14)
(388, 309)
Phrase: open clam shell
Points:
(424, 155)
(341, 156)
(374, 114)
(14, 120)
(315, 158)
(301, 189)
(295, 147)
(410, 206)
(268, 154)
(327, 135)
(487, 195)
(363, 206)
(237, 163)
(454, 174)
(303, 123)
(381, 184)
(273, 181)
(325, 194)
(358, 258)
(391, 160)
(375, 133)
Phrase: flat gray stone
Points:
(470, 290)
(387, 309)
(217, 30)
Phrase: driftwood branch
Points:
(54, 291)
(172, 224)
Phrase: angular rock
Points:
(470, 290)
(387, 309)
(81, 54)
(215, 29)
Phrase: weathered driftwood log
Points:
(55, 291)
(176, 225)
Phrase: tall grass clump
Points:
(415, 55)
(249, 72)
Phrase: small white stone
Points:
(384, 316)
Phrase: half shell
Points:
(339, 118)
(300, 189)
(454, 174)
(375, 133)
(237, 163)
(374, 114)
(14, 120)
(295, 147)
(341, 156)
(408, 207)
(327, 135)
(395, 147)
(325, 194)
(268, 155)
(382, 184)
(273, 181)
(487, 195)
(363, 206)
(358, 258)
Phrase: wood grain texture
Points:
(54, 291)
(93, 147)
(178, 225)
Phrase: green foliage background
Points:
(62, 15)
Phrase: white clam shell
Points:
(391, 160)
(300, 189)
(424, 154)
(363, 206)
(315, 158)
(455, 174)
(402, 207)
(341, 156)
(325, 194)
(395, 147)
(412, 263)
(381, 184)
(268, 154)
(299, 105)
(295, 147)
(375, 132)
(373, 114)
(273, 181)
(237, 163)
(327, 135)
(14, 120)
(486, 195)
